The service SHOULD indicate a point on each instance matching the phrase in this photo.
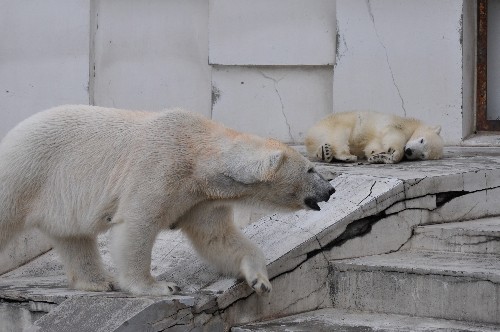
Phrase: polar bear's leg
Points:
(131, 246)
(82, 263)
(392, 146)
(372, 148)
(336, 146)
(219, 241)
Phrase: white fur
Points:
(76, 171)
(378, 137)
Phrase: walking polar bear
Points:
(76, 171)
(378, 137)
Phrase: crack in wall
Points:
(369, 194)
(275, 82)
(370, 12)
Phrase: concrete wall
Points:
(44, 56)
(268, 67)
(401, 57)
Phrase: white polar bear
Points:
(76, 171)
(378, 137)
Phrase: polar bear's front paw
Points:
(253, 269)
(261, 285)
(325, 153)
(155, 288)
(381, 158)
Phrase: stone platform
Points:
(375, 211)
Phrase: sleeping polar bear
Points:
(378, 137)
(77, 171)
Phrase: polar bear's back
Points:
(57, 157)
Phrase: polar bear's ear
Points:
(255, 168)
(437, 129)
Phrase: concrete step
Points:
(327, 320)
(481, 236)
(444, 285)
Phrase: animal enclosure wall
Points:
(272, 68)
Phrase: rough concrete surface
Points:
(328, 320)
(473, 236)
(375, 211)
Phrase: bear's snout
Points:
(312, 202)
(408, 152)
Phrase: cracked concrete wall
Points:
(272, 65)
(401, 57)
(270, 68)
(273, 102)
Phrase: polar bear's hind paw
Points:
(325, 153)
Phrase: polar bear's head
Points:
(270, 174)
(425, 143)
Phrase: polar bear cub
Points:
(77, 171)
(378, 137)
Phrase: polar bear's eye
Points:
(310, 170)
(422, 141)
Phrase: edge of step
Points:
(331, 319)
(478, 266)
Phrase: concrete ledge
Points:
(427, 284)
(328, 320)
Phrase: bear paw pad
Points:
(381, 158)
(325, 153)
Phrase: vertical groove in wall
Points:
(93, 26)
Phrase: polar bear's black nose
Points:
(408, 152)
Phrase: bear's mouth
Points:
(312, 204)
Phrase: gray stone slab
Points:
(480, 236)
(388, 234)
(461, 169)
(104, 314)
(481, 267)
(328, 320)
(440, 285)
(474, 205)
